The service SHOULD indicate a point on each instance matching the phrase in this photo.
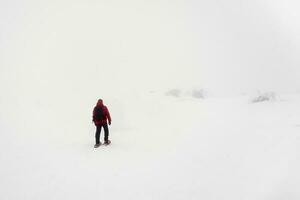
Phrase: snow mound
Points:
(266, 96)
(199, 94)
(173, 93)
(195, 93)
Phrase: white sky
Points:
(63, 47)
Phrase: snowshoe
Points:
(97, 145)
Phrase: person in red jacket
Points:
(100, 117)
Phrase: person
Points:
(100, 117)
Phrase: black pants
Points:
(98, 131)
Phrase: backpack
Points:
(99, 114)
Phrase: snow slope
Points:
(162, 148)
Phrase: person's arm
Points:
(108, 116)
(94, 115)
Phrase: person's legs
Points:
(97, 136)
(106, 132)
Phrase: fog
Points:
(84, 45)
(163, 69)
(66, 51)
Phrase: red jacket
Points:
(106, 116)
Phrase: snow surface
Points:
(58, 57)
(163, 147)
